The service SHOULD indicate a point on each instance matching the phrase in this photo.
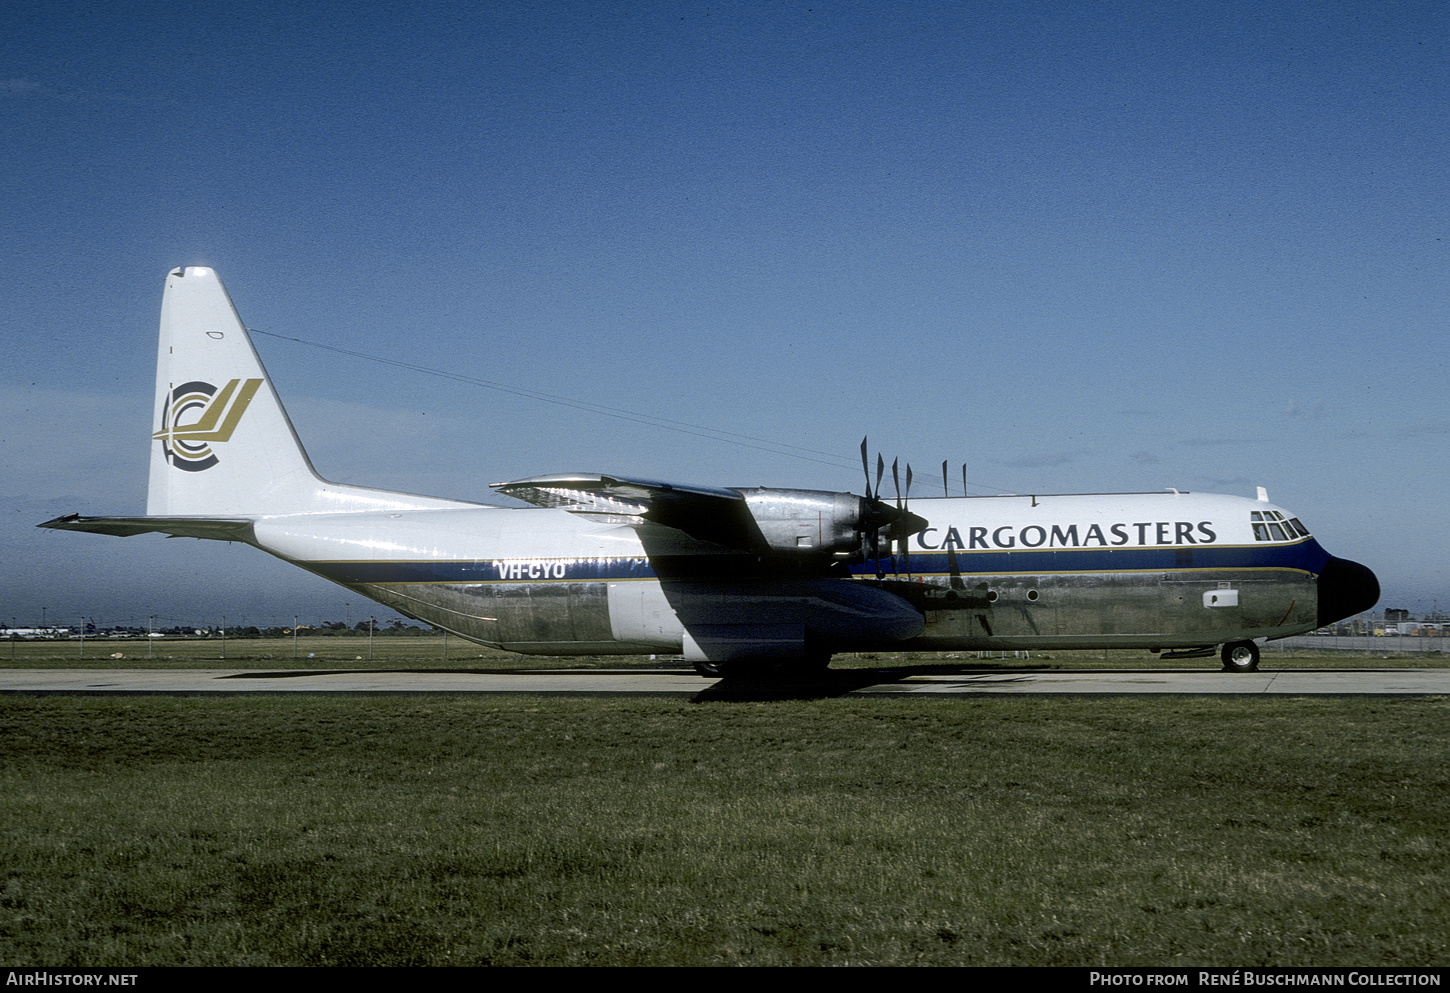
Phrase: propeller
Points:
(901, 509)
(878, 514)
(898, 528)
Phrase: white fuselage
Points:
(1126, 570)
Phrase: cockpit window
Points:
(1270, 525)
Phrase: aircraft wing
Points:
(224, 529)
(706, 513)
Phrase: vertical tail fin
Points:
(223, 444)
(221, 433)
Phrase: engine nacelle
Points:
(815, 522)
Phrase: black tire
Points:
(709, 670)
(1240, 656)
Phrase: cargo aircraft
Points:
(731, 578)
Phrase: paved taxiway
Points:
(685, 683)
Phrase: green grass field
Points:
(560, 831)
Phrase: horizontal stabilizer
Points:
(221, 529)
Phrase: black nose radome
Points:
(1345, 589)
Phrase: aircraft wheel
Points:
(1240, 656)
(709, 670)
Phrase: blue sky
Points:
(1077, 247)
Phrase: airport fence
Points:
(1388, 643)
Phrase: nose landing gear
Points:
(1240, 656)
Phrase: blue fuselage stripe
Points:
(1303, 556)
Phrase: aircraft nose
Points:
(1345, 588)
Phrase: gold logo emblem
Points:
(198, 415)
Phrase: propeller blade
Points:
(944, 490)
(906, 514)
(896, 481)
(874, 518)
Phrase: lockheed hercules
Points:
(730, 578)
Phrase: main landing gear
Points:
(1240, 656)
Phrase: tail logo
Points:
(197, 415)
